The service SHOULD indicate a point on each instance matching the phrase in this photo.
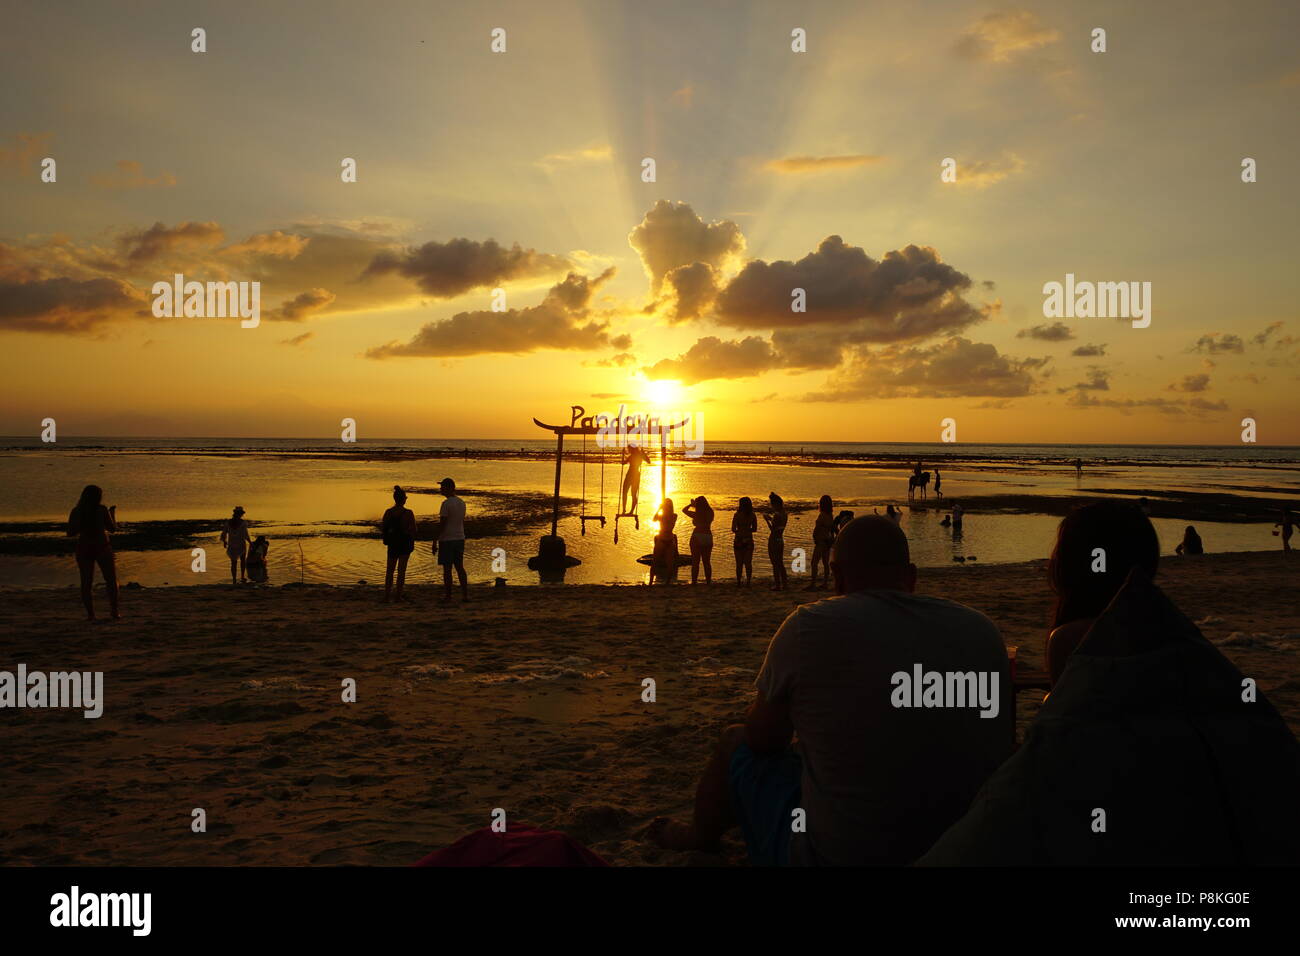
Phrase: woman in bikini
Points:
(743, 525)
(701, 514)
(91, 524)
(776, 522)
(823, 537)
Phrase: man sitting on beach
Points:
(449, 546)
(876, 776)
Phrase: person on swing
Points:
(634, 457)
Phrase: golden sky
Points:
(774, 170)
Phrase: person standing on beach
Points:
(1078, 468)
(957, 513)
(1287, 524)
(743, 525)
(701, 515)
(449, 546)
(236, 539)
(823, 538)
(91, 524)
(776, 522)
(938, 484)
(398, 527)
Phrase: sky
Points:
(774, 170)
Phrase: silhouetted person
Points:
(635, 457)
(823, 538)
(893, 514)
(743, 525)
(701, 515)
(398, 528)
(257, 559)
(1085, 582)
(1287, 524)
(938, 484)
(450, 543)
(235, 539)
(1078, 468)
(879, 781)
(776, 522)
(91, 524)
(1191, 543)
(663, 557)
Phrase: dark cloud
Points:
(449, 269)
(671, 235)
(711, 358)
(1191, 383)
(302, 306)
(1056, 332)
(1216, 342)
(694, 288)
(148, 244)
(909, 294)
(955, 367)
(1098, 381)
(1262, 337)
(1089, 351)
(298, 339)
(561, 321)
(66, 305)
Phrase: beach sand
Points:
(528, 699)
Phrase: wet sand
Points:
(528, 699)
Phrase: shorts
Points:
(451, 552)
(765, 790)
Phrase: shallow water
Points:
(315, 510)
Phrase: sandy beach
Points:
(528, 699)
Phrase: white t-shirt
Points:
(880, 783)
(451, 520)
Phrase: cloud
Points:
(1056, 332)
(1005, 37)
(1198, 382)
(694, 289)
(906, 295)
(1216, 342)
(276, 244)
(621, 360)
(1262, 337)
(955, 367)
(130, 175)
(672, 235)
(302, 306)
(1098, 380)
(561, 321)
(449, 269)
(590, 154)
(145, 245)
(820, 164)
(982, 173)
(23, 159)
(66, 305)
(298, 339)
(711, 358)
(1089, 351)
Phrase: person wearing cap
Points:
(449, 546)
(235, 538)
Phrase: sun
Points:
(662, 393)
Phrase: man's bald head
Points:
(872, 552)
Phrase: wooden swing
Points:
(584, 518)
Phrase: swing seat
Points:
(636, 519)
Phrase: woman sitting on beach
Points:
(823, 537)
(1085, 581)
(235, 539)
(776, 522)
(399, 535)
(91, 524)
(257, 559)
(743, 525)
(701, 514)
(1191, 543)
(663, 561)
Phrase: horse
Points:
(921, 481)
